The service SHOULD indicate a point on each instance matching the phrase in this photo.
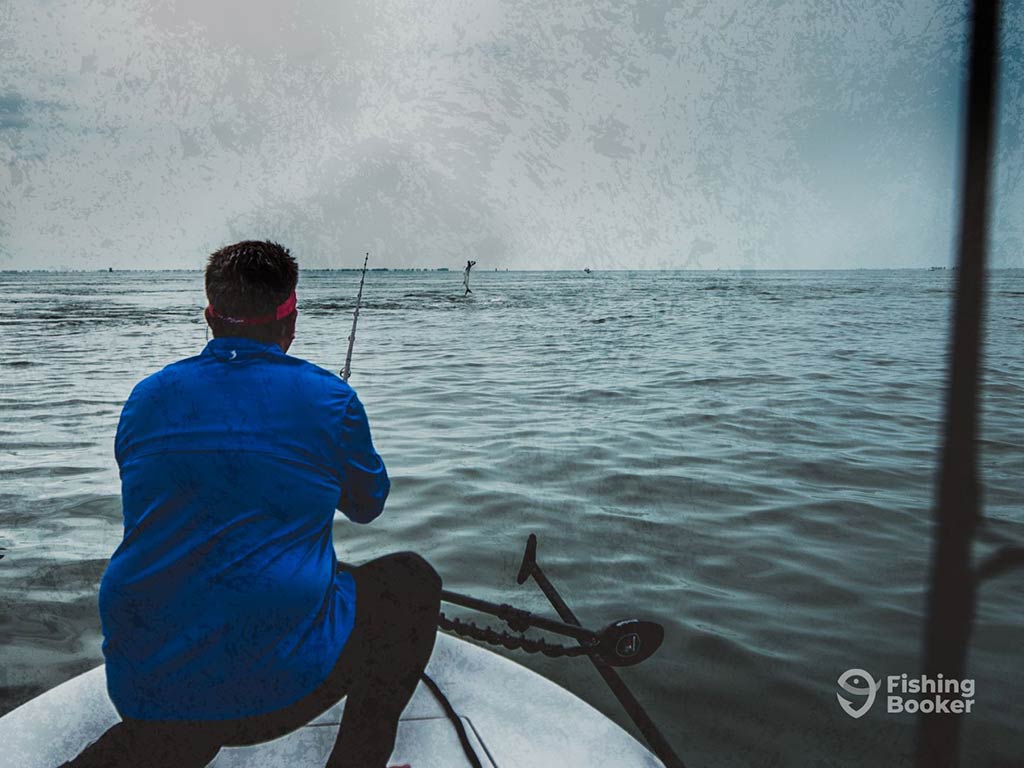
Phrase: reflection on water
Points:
(745, 457)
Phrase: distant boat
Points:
(587, 270)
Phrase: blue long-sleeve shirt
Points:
(223, 599)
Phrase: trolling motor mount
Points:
(622, 643)
(529, 564)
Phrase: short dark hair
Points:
(250, 279)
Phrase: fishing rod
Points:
(346, 371)
(622, 643)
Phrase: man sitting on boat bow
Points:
(226, 620)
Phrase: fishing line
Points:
(446, 705)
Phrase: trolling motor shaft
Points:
(620, 644)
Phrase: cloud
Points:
(520, 134)
(12, 112)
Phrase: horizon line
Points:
(110, 270)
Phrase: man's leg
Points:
(397, 601)
(155, 744)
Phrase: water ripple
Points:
(746, 457)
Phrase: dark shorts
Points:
(397, 602)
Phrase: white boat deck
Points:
(514, 717)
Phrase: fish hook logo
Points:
(848, 682)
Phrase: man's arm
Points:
(364, 479)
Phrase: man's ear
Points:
(288, 331)
(209, 321)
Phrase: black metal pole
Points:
(573, 630)
(633, 708)
(951, 599)
(519, 617)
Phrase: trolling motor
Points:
(621, 644)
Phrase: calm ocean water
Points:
(747, 457)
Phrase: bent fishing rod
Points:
(622, 643)
(346, 370)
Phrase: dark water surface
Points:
(745, 457)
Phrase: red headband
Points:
(284, 309)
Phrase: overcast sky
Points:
(523, 134)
